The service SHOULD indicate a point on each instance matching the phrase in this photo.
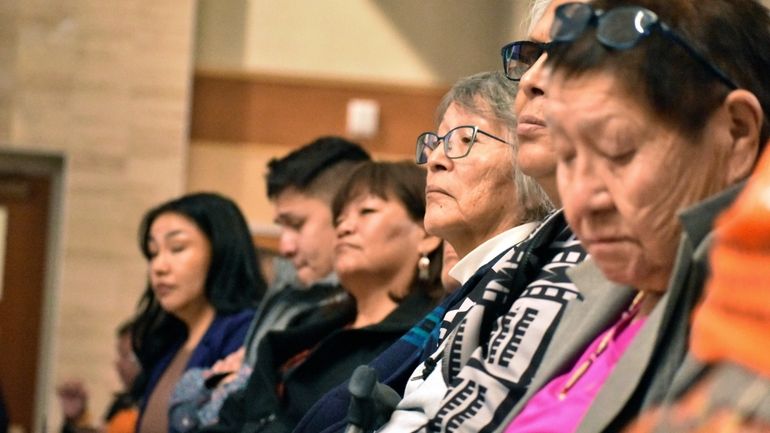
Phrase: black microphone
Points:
(371, 402)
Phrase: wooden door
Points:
(24, 200)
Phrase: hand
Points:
(230, 363)
(73, 398)
(227, 366)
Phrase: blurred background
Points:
(108, 107)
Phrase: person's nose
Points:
(585, 191)
(287, 244)
(159, 264)
(532, 83)
(345, 226)
(437, 159)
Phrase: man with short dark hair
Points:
(301, 186)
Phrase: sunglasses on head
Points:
(620, 29)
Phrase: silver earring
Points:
(423, 268)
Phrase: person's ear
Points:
(428, 244)
(746, 117)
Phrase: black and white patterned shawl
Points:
(494, 339)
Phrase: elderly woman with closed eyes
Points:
(656, 116)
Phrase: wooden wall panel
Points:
(255, 108)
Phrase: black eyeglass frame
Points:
(598, 17)
(513, 51)
(421, 145)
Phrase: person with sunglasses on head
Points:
(729, 388)
(656, 112)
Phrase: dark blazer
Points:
(289, 307)
(652, 362)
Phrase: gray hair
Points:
(536, 11)
(491, 95)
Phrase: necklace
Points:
(625, 320)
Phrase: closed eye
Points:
(295, 225)
(291, 223)
(623, 158)
(152, 249)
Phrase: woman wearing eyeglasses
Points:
(511, 267)
(655, 111)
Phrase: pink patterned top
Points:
(552, 410)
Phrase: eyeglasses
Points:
(622, 28)
(457, 142)
(519, 56)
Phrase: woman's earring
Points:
(423, 268)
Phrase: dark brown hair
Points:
(405, 182)
(234, 281)
(316, 169)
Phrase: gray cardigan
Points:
(646, 370)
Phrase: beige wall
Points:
(404, 41)
(106, 85)
(8, 33)
(421, 43)
(220, 35)
(238, 170)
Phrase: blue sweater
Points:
(224, 336)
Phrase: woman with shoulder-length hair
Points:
(391, 268)
(401, 184)
(204, 282)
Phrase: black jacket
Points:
(335, 352)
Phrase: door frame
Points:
(52, 165)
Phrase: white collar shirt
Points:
(488, 250)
